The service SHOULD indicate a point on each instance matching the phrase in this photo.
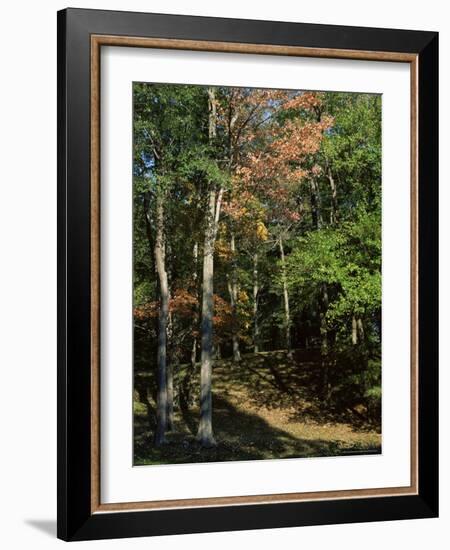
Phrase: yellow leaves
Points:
(222, 249)
(261, 231)
(243, 297)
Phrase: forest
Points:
(256, 273)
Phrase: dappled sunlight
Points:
(263, 408)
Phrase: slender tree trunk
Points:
(334, 206)
(159, 251)
(212, 106)
(364, 355)
(323, 323)
(255, 304)
(169, 396)
(194, 352)
(233, 290)
(324, 344)
(354, 331)
(194, 277)
(316, 210)
(287, 314)
(205, 431)
(169, 368)
(186, 383)
(360, 328)
(357, 330)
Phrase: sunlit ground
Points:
(265, 407)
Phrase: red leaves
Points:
(146, 311)
(273, 172)
(182, 303)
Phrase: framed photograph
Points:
(247, 254)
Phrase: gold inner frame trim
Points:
(231, 47)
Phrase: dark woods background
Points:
(257, 273)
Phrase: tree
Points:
(165, 142)
(256, 226)
(214, 194)
(278, 169)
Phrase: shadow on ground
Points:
(263, 408)
(239, 435)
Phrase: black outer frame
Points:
(75, 521)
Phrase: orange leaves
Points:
(223, 314)
(298, 139)
(274, 171)
(271, 135)
(182, 303)
(146, 311)
(238, 207)
(304, 100)
(282, 158)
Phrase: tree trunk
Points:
(255, 304)
(205, 431)
(159, 251)
(334, 207)
(354, 331)
(169, 396)
(357, 330)
(324, 344)
(169, 368)
(212, 106)
(317, 219)
(287, 314)
(194, 277)
(316, 205)
(194, 352)
(364, 355)
(233, 290)
(360, 327)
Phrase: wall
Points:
(28, 274)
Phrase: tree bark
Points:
(194, 277)
(360, 328)
(159, 252)
(324, 344)
(357, 330)
(233, 290)
(316, 205)
(205, 431)
(334, 205)
(169, 396)
(255, 304)
(287, 314)
(169, 367)
(354, 331)
(316, 211)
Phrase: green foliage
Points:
(328, 216)
(347, 259)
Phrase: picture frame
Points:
(81, 35)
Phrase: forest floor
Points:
(265, 407)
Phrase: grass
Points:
(265, 407)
